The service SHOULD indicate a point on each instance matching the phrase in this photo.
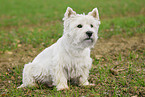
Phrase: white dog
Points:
(69, 58)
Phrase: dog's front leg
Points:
(60, 80)
(83, 80)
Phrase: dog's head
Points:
(80, 29)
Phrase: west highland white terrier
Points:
(68, 58)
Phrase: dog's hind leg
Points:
(28, 85)
(28, 79)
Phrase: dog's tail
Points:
(21, 86)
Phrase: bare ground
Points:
(119, 43)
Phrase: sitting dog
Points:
(68, 58)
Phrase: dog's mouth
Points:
(89, 39)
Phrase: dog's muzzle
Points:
(89, 36)
(89, 33)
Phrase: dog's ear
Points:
(94, 13)
(69, 12)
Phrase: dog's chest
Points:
(71, 71)
(74, 68)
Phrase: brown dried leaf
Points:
(120, 70)
(98, 56)
(134, 96)
(9, 52)
(3, 95)
(12, 78)
(19, 45)
(113, 71)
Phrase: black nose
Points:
(89, 33)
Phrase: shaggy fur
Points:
(69, 58)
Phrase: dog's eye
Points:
(79, 26)
(92, 26)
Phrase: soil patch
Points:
(103, 48)
(118, 44)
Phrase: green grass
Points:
(35, 25)
(26, 22)
(17, 13)
(47, 35)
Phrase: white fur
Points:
(69, 58)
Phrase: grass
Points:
(27, 27)
(42, 19)
(47, 35)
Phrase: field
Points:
(118, 69)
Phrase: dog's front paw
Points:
(62, 87)
(87, 84)
(91, 84)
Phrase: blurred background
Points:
(21, 21)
